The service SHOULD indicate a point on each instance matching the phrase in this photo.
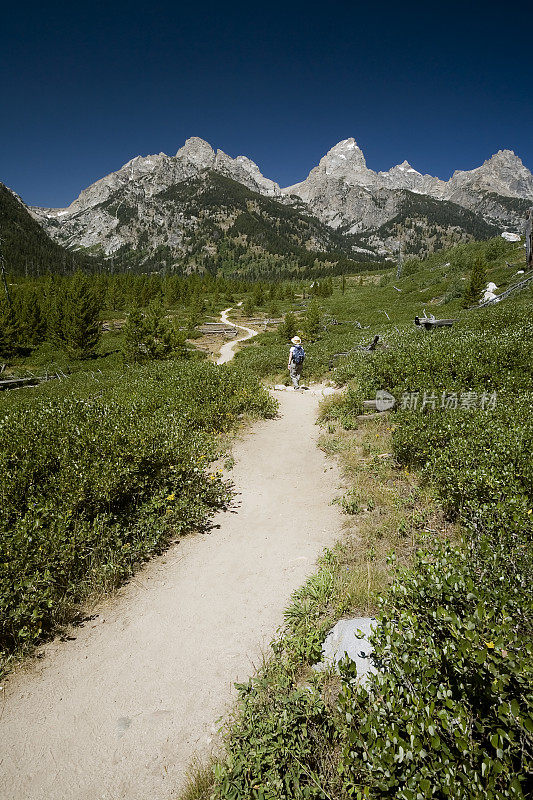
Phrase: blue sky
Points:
(85, 88)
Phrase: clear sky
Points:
(84, 87)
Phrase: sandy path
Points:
(119, 712)
(227, 351)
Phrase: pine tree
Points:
(195, 310)
(478, 281)
(31, 320)
(9, 339)
(248, 306)
(134, 335)
(311, 326)
(288, 327)
(150, 335)
(54, 316)
(80, 328)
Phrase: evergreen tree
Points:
(288, 327)
(478, 281)
(9, 338)
(114, 297)
(135, 333)
(150, 335)
(30, 318)
(80, 329)
(273, 309)
(195, 310)
(311, 325)
(248, 306)
(54, 316)
(258, 295)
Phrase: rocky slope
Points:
(165, 210)
(343, 192)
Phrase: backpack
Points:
(298, 354)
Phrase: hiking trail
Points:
(118, 712)
(227, 351)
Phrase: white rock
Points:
(487, 297)
(350, 637)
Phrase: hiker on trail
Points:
(296, 361)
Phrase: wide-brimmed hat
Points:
(296, 340)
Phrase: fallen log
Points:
(429, 323)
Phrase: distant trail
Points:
(118, 713)
(227, 351)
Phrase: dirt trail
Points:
(227, 351)
(117, 713)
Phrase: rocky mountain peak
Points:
(341, 191)
(343, 158)
(503, 173)
(504, 155)
(405, 166)
(197, 152)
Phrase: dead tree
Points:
(529, 239)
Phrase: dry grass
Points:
(199, 781)
(387, 510)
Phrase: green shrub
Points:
(96, 474)
(449, 715)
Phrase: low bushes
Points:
(97, 473)
(450, 715)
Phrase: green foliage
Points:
(248, 305)
(288, 328)
(9, 338)
(149, 336)
(454, 719)
(76, 324)
(312, 322)
(478, 280)
(97, 474)
(30, 316)
(454, 641)
(27, 249)
(449, 714)
(274, 753)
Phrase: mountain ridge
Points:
(340, 192)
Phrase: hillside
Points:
(26, 247)
(208, 223)
(424, 225)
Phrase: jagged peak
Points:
(347, 148)
(504, 157)
(405, 166)
(346, 144)
(195, 146)
(505, 152)
(343, 158)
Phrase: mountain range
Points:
(202, 209)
